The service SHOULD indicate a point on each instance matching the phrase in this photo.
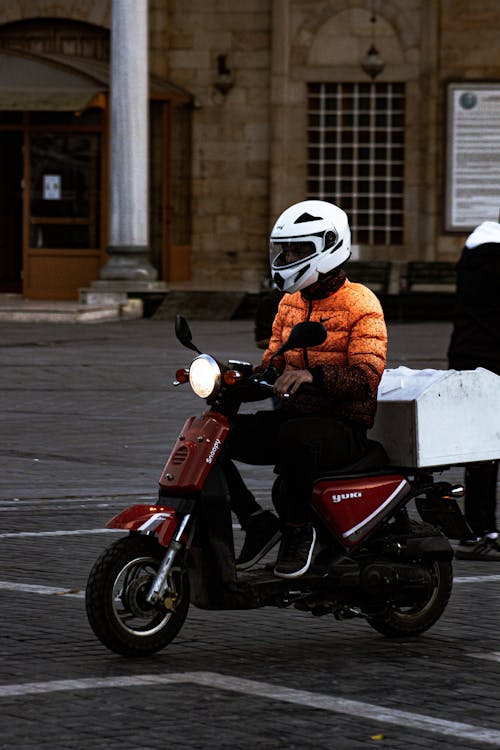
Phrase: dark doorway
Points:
(11, 211)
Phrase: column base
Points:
(128, 263)
(133, 286)
(135, 299)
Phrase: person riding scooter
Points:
(329, 392)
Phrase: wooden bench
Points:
(431, 276)
(375, 274)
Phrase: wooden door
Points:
(63, 199)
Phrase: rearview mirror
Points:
(304, 335)
(183, 333)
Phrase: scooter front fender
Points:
(147, 518)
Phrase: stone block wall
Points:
(231, 132)
(249, 158)
(250, 148)
(468, 51)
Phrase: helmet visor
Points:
(286, 252)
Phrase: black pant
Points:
(300, 447)
(480, 479)
(481, 496)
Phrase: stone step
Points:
(14, 308)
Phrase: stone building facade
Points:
(277, 108)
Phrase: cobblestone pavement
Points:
(88, 415)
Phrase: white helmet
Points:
(309, 238)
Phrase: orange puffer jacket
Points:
(348, 366)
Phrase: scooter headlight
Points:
(204, 376)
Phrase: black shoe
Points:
(296, 550)
(263, 531)
(470, 542)
(482, 549)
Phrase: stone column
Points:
(129, 126)
(280, 77)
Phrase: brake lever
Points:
(265, 383)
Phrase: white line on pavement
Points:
(66, 532)
(491, 656)
(30, 588)
(381, 714)
(476, 579)
(61, 532)
(54, 503)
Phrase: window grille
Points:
(356, 155)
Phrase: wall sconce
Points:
(372, 62)
(224, 81)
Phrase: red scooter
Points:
(375, 560)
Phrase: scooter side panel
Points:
(147, 518)
(353, 507)
(194, 454)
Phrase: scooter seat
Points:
(374, 459)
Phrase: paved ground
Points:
(88, 415)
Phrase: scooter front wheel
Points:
(116, 598)
(410, 621)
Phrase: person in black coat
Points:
(475, 342)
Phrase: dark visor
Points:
(286, 253)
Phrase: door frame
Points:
(175, 256)
(12, 239)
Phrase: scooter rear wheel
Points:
(399, 621)
(117, 609)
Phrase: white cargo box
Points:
(438, 417)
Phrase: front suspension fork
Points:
(160, 582)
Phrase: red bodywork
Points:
(194, 454)
(352, 507)
(158, 518)
(185, 472)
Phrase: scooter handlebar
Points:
(267, 379)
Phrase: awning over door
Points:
(33, 84)
(61, 83)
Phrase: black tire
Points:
(398, 622)
(116, 604)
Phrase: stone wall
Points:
(231, 133)
(258, 133)
(468, 51)
(250, 145)
(90, 11)
(326, 42)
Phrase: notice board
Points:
(473, 155)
